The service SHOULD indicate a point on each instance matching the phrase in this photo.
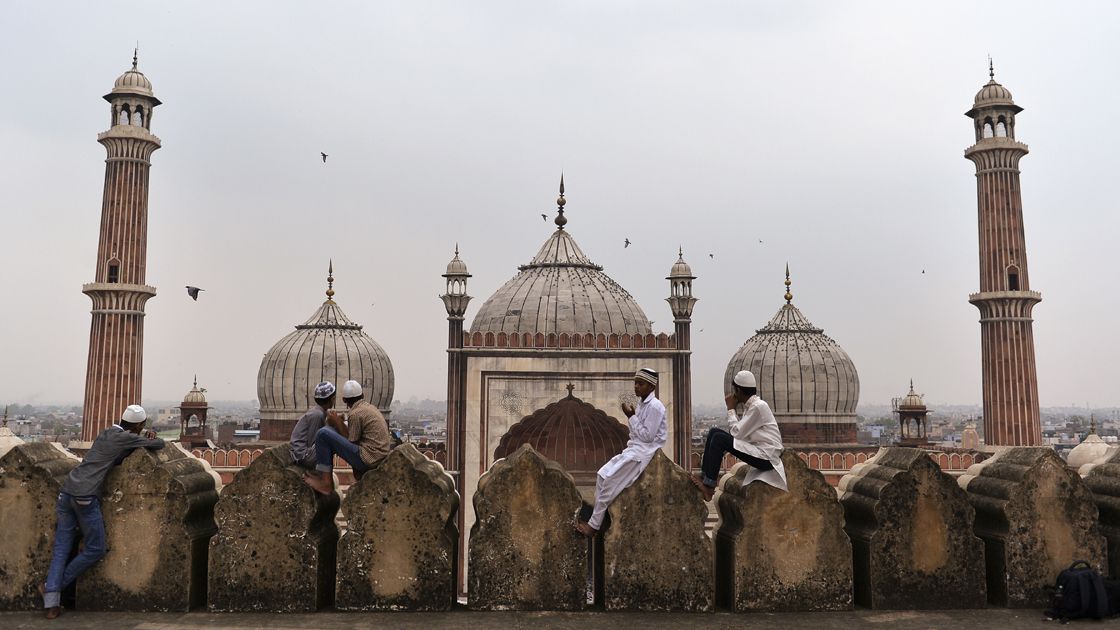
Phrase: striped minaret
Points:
(1005, 300)
(118, 292)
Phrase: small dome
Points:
(912, 400)
(196, 396)
(1088, 451)
(993, 93)
(133, 82)
(572, 432)
(456, 267)
(561, 291)
(680, 269)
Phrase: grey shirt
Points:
(109, 449)
(303, 436)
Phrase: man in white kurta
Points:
(753, 438)
(649, 429)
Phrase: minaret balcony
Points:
(1005, 305)
(118, 298)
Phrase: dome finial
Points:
(570, 387)
(330, 280)
(456, 248)
(991, 69)
(1092, 424)
(196, 381)
(135, 54)
(5, 416)
(560, 201)
(788, 295)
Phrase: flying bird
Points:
(324, 157)
(626, 244)
(923, 271)
(712, 256)
(193, 292)
(544, 217)
(759, 240)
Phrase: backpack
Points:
(1079, 592)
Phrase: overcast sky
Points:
(831, 131)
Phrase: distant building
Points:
(193, 431)
(913, 418)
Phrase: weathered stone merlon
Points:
(399, 550)
(30, 478)
(1035, 517)
(524, 554)
(159, 516)
(782, 551)
(911, 528)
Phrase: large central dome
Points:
(561, 291)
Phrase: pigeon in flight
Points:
(193, 292)
(923, 271)
(626, 244)
(544, 217)
(759, 240)
(324, 157)
(712, 256)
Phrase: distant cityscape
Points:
(425, 421)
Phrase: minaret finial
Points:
(135, 54)
(680, 251)
(788, 295)
(560, 201)
(330, 280)
(1092, 424)
(991, 69)
(196, 381)
(456, 249)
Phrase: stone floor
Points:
(863, 619)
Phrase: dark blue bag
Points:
(1079, 592)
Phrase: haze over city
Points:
(750, 136)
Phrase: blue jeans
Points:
(718, 443)
(75, 514)
(329, 443)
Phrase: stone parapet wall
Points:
(269, 543)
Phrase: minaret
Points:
(455, 300)
(118, 292)
(681, 302)
(1005, 300)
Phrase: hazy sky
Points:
(832, 131)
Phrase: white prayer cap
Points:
(351, 389)
(134, 414)
(745, 379)
(647, 375)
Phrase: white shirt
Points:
(757, 434)
(649, 430)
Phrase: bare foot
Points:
(321, 483)
(586, 530)
(704, 488)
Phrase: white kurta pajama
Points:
(649, 430)
(757, 434)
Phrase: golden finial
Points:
(330, 280)
(560, 201)
(788, 295)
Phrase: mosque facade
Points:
(550, 357)
(114, 371)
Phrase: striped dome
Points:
(327, 347)
(572, 432)
(993, 93)
(801, 372)
(561, 291)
